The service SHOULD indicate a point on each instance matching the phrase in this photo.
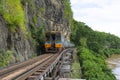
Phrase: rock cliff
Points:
(23, 23)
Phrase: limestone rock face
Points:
(47, 13)
(38, 13)
(21, 46)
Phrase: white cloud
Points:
(102, 15)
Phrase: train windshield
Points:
(48, 36)
(58, 37)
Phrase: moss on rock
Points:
(13, 14)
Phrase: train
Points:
(55, 41)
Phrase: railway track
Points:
(12, 72)
(33, 69)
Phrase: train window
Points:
(58, 37)
(48, 35)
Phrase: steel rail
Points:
(41, 73)
(6, 72)
(18, 65)
(32, 71)
(30, 67)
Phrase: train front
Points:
(47, 41)
(53, 42)
(58, 41)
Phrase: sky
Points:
(100, 15)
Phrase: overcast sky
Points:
(100, 15)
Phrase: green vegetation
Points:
(93, 48)
(41, 12)
(99, 42)
(76, 70)
(5, 57)
(35, 20)
(67, 11)
(42, 9)
(38, 38)
(13, 13)
(93, 66)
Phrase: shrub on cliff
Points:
(93, 67)
(5, 57)
(13, 14)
